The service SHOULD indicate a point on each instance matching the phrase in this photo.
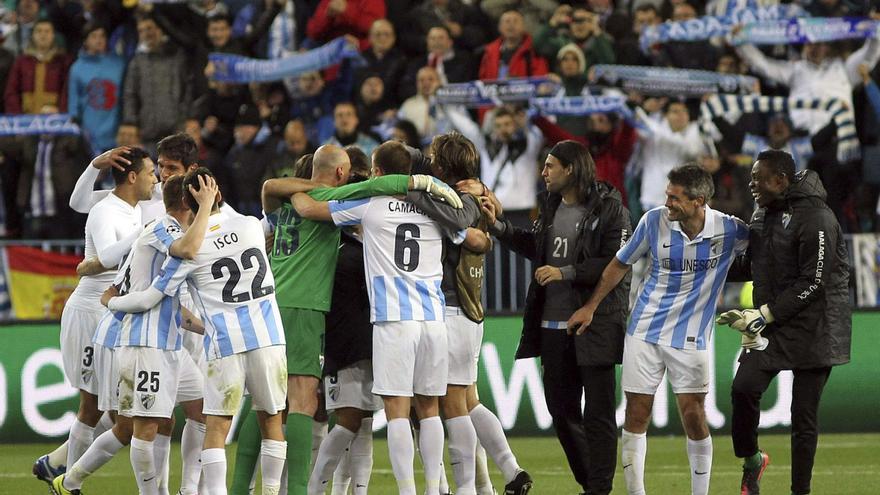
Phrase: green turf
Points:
(845, 464)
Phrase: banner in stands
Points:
(53, 123)
(487, 93)
(37, 404)
(666, 81)
(241, 70)
(39, 282)
(807, 30)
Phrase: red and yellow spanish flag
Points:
(40, 282)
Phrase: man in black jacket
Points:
(801, 274)
(581, 225)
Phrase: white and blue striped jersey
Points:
(403, 250)
(231, 286)
(677, 302)
(159, 327)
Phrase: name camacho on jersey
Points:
(160, 326)
(403, 250)
(231, 286)
(677, 303)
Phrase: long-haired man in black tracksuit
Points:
(801, 274)
(581, 225)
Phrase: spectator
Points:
(218, 109)
(95, 89)
(158, 86)
(335, 18)
(452, 64)
(534, 13)
(7, 59)
(207, 155)
(582, 29)
(50, 165)
(666, 144)
(293, 147)
(286, 32)
(39, 75)
(27, 13)
(247, 161)
(419, 109)
(373, 106)
(627, 50)
(686, 54)
(315, 100)
(610, 140)
(463, 22)
(406, 132)
(512, 54)
(571, 69)
(384, 58)
(345, 129)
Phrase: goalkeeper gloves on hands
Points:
(437, 189)
(750, 323)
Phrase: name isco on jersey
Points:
(689, 265)
(225, 240)
(403, 207)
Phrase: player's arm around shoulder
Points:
(276, 192)
(307, 207)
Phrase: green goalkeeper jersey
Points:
(303, 258)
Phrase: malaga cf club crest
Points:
(147, 400)
(87, 375)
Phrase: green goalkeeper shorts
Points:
(304, 334)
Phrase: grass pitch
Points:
(845, 464)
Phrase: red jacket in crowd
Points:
(524, 62)
(33, 83)
(355, 20)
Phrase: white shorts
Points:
(78, 355)
(352, 386)
(410, 357)
(263, 371)
(645, 363)
(465, 338)
(107, 371)
(190, 379)
(148, 381)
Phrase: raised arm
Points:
(188, 246)
(84, 196)
(868, 54)
(276, 191)
(777, 70)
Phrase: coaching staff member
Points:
(801, 274)
(581, 225)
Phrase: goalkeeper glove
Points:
(437, 189)
(750, 323)
(756, 342)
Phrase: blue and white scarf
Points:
(475, 94)
(663, 81)
(54, 123)
(808, 30)
(847, 140)
(579, 106)
(708, 26)
(237, 69)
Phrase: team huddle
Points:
(371, 287)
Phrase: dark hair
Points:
(220, 18)
(695, 180)
(360, 162)
(778, 162)
(91, 27)
(172, 193)
(303, 166)
(192, 179)
(392, 157)
(136, 156)
(576, 155)
(675, 101)
(646, 7)
(503, 112)
(440, 26)
(410, 131)
(455, 156)
(179, 147)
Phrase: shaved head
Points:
(331, 165)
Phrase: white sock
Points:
(342, 474)
(283, 489)
(58, 457)
(401, 450)
(361, 456)
(214, 471)
(444, 481)
(483, 481)
(104, 424)
(143, 462)
(161, 451)
(319, 432)
(632, 458)
(492, 438)
(332, 448)
(700, 458)
(191, 441)
(462, 453)
(81, 436)
(99, 453)
(272, 456)
(431, 447)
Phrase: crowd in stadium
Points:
(132, 74)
